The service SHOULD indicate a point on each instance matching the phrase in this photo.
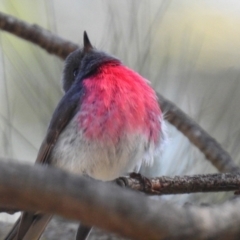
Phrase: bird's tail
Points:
(83, 232)
(13, 232)
(29, 226)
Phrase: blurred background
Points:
(188, 49)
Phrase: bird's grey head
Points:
(73, 63)
(84, 62)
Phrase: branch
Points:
(61, 48)
(212, 150)
(56, 192)
(37, 35)
(172, 185)
(182, 184)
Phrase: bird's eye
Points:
(75, 72)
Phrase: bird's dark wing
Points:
(63, 114)
(31, 225)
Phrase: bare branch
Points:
(9, 210)
(172, 185)
(37, 35)
(56, 45)
(212, 150)
(56, 192)
(182, 184)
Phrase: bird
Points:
(107, 124)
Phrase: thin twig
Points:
(219, 182)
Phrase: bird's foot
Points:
(146, 184)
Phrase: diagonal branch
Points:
(212, 150)
(37, 35)
(61, 48)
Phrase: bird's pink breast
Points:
(118, 101)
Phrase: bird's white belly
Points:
(78, 155)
